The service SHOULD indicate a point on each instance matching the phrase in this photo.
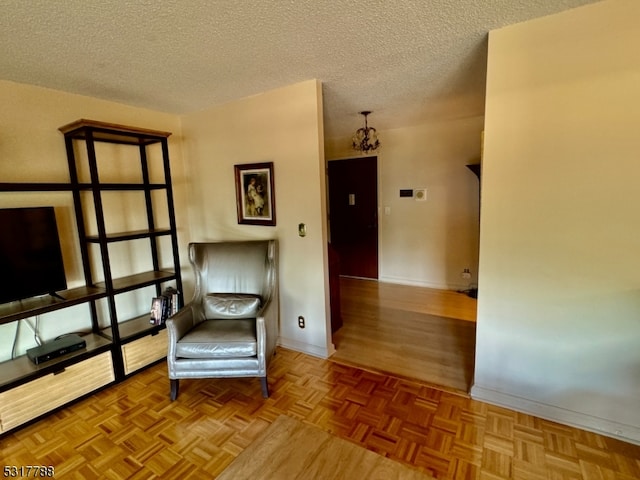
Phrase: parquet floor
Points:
(132, 430)
(407, 331)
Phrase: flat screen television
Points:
(30, 254)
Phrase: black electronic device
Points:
(56, 348)
(30, 254)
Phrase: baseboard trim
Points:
(313, 350)
(626, 433)
(420, 283)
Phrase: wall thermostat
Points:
(420, 194)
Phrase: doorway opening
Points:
(406, 331)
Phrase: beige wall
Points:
(33, 150)
(559, 301)
(282, 126)
(286, 128)
(426, 243)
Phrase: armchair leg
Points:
(265, 387)
(175, 384)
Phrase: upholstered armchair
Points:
(230, 327)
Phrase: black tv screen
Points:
(30, 254)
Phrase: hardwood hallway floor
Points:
(411, 332)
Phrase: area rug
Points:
(290, 449)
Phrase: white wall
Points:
(33, 150)
(559, 300)
(426, 243)
(282, 126)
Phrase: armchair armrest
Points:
(179, 324)
(267, 326)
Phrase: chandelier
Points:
(365, 139)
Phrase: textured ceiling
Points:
(410, 61)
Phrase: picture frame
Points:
(255, 194)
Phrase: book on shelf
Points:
(174, 300)
(164, 306)
(158, 309)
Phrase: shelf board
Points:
(21, 369)
(29, 307)
(134, 329)
(113, 133)
(118, 237)
(69, 187)
(35, 187)
(123, 186)
(139, 280)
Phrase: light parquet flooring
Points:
(412, 332)
(132, 430)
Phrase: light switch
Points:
(387, 210)
(302, 230)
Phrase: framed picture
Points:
(255, 195)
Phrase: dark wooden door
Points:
(353, 215)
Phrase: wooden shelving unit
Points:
(134, 338)
(88, 133)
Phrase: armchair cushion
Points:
(231, 305)
(219, 339)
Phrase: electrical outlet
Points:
(466, 273)
(301, 321)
